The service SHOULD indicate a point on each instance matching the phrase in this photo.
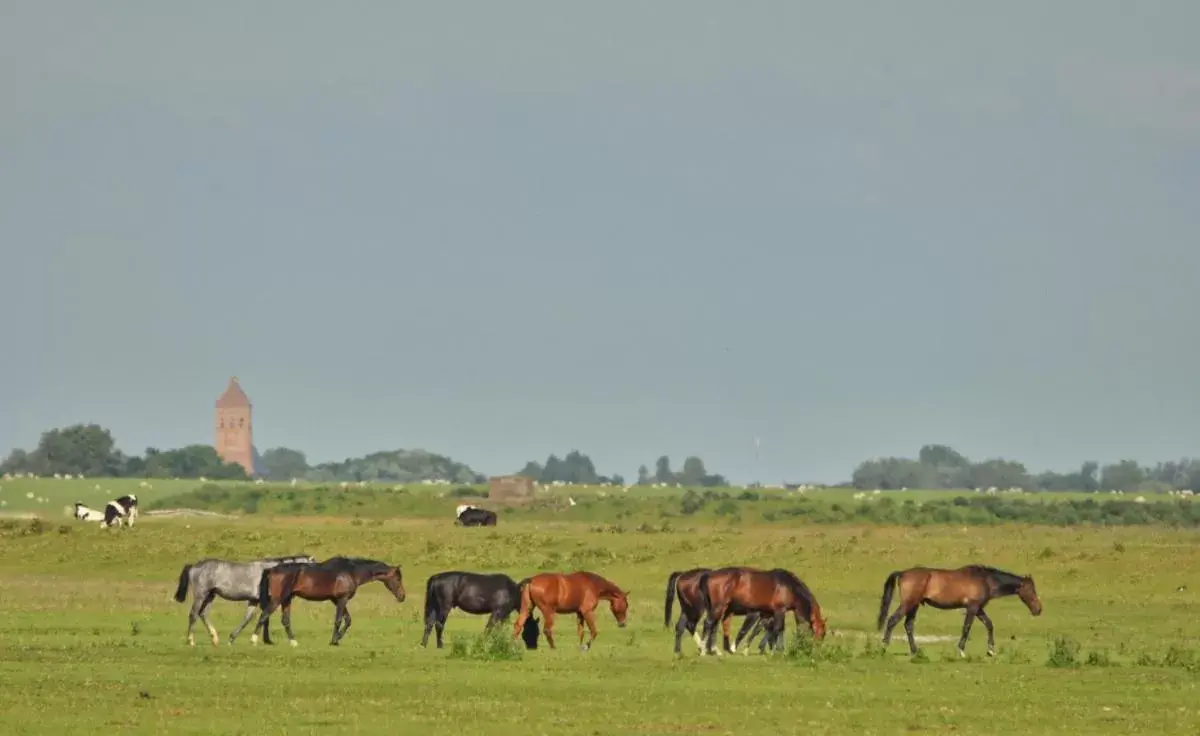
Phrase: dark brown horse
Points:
(579, 593)
(971, 587)
(336, 579)
(770, 593)
(684, 585)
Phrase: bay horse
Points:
(971, 587)
(684, 585)
(496, 594)
(731, 590)
(579, 593)
(336, 580)
(233, 581)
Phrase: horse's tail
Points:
(526, 596)
(671, 582)
(264, 589)
(184, 576)
(705, 598)
(885, 602)
(430, 607)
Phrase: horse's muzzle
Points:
(621, 624)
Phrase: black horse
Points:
(477, 517)
(495, 594)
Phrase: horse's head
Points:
(393, 581)
(1027, 592)
(530, 632)
(620, 607)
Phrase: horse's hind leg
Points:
(909, 619)
(245, 620)
(431, 620)
(685, 624)
(972, 611)
(894, 619)
(342, 615)
(204, 606)
(750, 626)
(991, 634)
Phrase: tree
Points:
(693, 472)
(662, 470)
(532, 470)
(643, 478)
(80, 449)
(1126, 475)
(1000, 473)
(282, 463)
(192, 461)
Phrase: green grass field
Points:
(91, 639)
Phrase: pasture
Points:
(90, 637)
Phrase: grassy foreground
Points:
(91, 639)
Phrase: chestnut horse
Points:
(970, 587)
(685, 586)
(336, 580)
(732, 590)
(579, 593)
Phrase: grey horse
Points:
(233, 581)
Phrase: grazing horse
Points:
(732, 590)
(496, 594)
(83, 513)
(579, 593)
(336, 580)
(121, 510)
(233, 581)
(474, 516)
(970, 587)
(685, 586)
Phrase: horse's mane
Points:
(605, 585)
(1008, 582)
(797, 585)
(356, 562)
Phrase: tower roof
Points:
(234, 397)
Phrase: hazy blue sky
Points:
(496, 230)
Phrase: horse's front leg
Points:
(751, 621)
(287, 622)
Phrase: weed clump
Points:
(493, 646)
(1064, 652)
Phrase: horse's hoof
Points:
(293, 642)
(191, 640)
(991, 652)
(962, 654)
(583, 647)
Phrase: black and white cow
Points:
(123, 510)
(468, 515)
(83, 513)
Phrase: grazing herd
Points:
(707, 597)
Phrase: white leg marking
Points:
(254, 638)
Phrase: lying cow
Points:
(83, 513)
(467, 515)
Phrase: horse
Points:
(233, 581)
(684, 585)
(732, 590)
(578, 593)
(971, 587)
(475, 516)
(495, 594)
(83, 513)
(336, 580)
(121, 510)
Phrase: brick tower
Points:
(235, 442)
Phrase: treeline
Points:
(89, 450)
(578, 468)
(940, 466)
